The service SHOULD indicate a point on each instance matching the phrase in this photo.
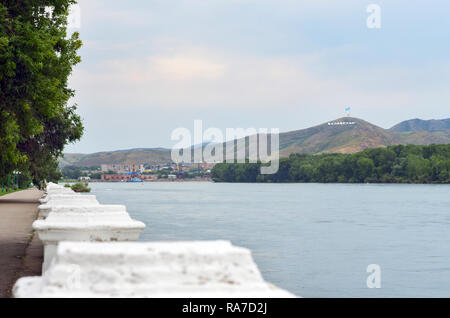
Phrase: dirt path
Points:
(20, 250)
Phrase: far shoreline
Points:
(145, 181)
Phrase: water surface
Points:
(315, 240)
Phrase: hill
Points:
(337, 138)
(132, 156)
(343, 135)
(422, 125)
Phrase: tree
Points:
(365, 167)
(414, 164)
(36, 60)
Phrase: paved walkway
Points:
(20, 250)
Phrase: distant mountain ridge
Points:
(132, 156)
(141, 149)
(422, 125)
(343, 135)
(353, 138)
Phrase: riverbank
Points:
(21, 251)
(146, 181)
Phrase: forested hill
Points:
(394, 164)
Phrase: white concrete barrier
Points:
(60, 190)
(59, 194)
(101, 223)
(169, 270)
(51, 185)
(66, 200)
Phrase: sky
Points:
(151, 66)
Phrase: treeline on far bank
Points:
(394, 164)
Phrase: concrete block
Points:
(66, 200)
(61, 195)
(158, 269)
(95, 223)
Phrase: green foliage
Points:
(15, 181)
(395, 164)
(36, 59)
(81, 187)
(96, 176)
(74, 172)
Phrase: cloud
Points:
(152, 65)
(204, 78)
(159, 68)
(181, 68)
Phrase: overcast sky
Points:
(150, 66)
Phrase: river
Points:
(315, 240)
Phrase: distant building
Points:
(124, 177)
(84, 178)
(123, 168)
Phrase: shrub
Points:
(81, 187)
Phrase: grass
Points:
(12, 191)
(9, 192)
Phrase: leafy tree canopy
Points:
(36, 60)
(394, 164)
